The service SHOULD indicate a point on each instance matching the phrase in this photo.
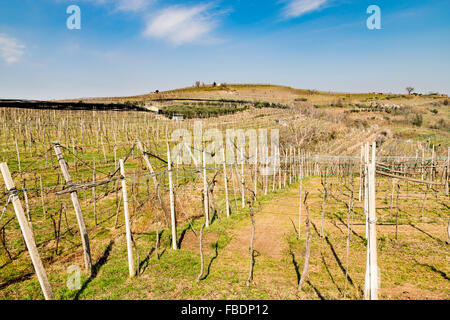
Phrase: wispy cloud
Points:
(297, 8)
(123, 5)
(11, 50)
(132, 5)
(180, 24)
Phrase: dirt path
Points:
(272, 225)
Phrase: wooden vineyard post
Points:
(256, 173)
(279, 176)
(235, 181)
(127, 219)
(324, 202)
(227, 201)
(432, 165)
(366, 185)
(173, 218)
(93, 195)
(77, 208)
(242, 179)
(392, 194)
(294, 178)
(300, 208)
(27, 233)
(27, 206)
(274, 178)
(290, 165)
(285, 169)
(18, 157)
(266, 180)
(42, 197)
(372, 229)
(205, 190)
(371, 283)
(366, 214)
(447, 173)
(361, 178)
(422, 165)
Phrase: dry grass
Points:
(414, 266)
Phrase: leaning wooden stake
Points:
(127, 220)
(27, 234)
(77, 207)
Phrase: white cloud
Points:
(297, 8)
(11, 50)
(124, 5)
(132, 5)
(180, 25)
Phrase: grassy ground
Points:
(415, 266)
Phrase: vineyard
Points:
(358, 207)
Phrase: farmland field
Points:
(310, 211)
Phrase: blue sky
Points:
(128, 47)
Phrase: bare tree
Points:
(410, 90)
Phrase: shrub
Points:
(418, 121)
(446, 102)
(202, 111)
(340, 103)
(261, 105)
(435, 111)
(441, 125)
